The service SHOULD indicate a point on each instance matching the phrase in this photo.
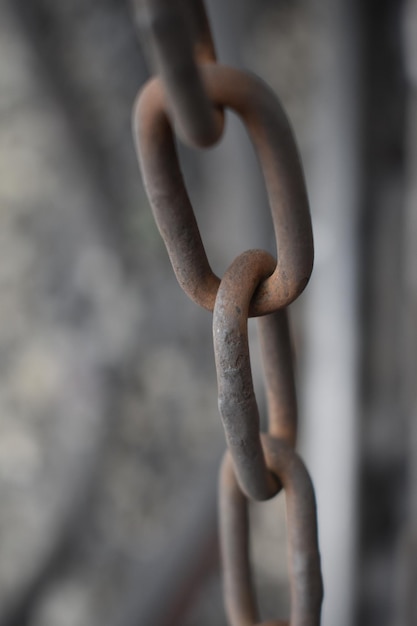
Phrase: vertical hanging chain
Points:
(190, 92)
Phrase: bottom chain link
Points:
(306, 585)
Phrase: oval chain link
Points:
(306, 587)
(237, 403)
(271, 135)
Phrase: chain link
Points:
(179, 37)
(303, 555)
(191, 91)
(270, 132)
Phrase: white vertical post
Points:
(330, 397)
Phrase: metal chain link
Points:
(191, 91)
(179, 37)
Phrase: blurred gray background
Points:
(109, 433)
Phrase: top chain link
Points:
(190, 92)
(180, 38)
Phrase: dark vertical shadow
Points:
(383, 467)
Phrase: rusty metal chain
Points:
(190, 92)
(179, 37)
